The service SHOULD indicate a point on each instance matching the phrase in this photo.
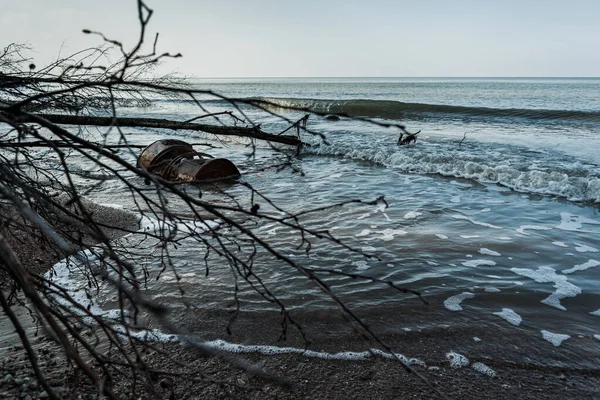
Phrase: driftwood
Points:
(243, 131)
(410, 137)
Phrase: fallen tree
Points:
(253, 132)
(29, 184)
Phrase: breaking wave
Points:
(571, 180)
(390, 109)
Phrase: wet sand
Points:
(309, 378)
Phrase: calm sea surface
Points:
(493, 215)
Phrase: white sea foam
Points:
(466, 185)
(112, 205)
(486, 210)
(453, 303)
(68, 276)
(582, 267)
(380, 208)
(469, 236)
(361, 265)
(457, 360)
(61, 275)
(572, 222)
(477, 263)
(560, 244)
(412, 214)
(389, 234)
(582, 248)
(363, 233)
(458, 216)
(597, 337)
(489, 169)
(483, 369)
(510, 316)
(455, 199)
(488, 252)
(504, 238)
(596, 313)
(343, 356)
(546, 274)
(476, 339)
(523, 228)
(555, 338)
(441, 236)
(491, 289)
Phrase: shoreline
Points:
(312, 378)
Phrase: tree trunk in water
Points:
(251, 132)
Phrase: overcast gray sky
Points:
(280, 38)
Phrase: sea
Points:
(492, 216)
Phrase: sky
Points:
(328, 38)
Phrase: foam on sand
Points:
(555, 338)
(457, 360)
(546, 274)
(453, 303)
(65, 275)
(483, 369)
(582, 267)
(510, 316)
(343, 356)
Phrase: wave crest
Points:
(390, 109)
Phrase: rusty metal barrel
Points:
(176, 160)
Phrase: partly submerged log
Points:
(243, 131)
(410, 137)
(176, 160)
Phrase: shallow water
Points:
(499, 233)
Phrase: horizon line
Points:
(395, 77)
